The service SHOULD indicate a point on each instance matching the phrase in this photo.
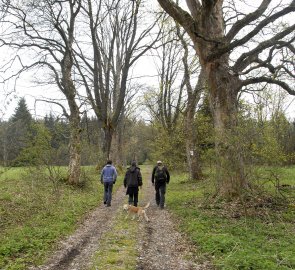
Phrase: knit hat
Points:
(159, 162)
(133, 163)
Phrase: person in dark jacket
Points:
(132, 181)
(108, 178)
(160, 177)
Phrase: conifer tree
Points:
(22, 113)
(19, 131)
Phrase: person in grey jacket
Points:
(108, 178)
(132, 181)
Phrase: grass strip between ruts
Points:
(118, 247)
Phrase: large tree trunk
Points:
(192, 151)
(224, 104)
(107, 142)
(74, 169)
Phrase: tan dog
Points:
(140, 211)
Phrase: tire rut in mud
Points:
(75, 252)
(161, 246)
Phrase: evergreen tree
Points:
(22, 114)
(51, 123)
(59, 133)
(19, 131)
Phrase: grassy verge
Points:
(235, 242)
(35, 213)
(117, 247)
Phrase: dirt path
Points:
(160, 245)
(74, 252)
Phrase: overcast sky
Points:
(144, 72)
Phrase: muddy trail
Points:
(160, 245)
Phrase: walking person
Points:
(160, 177)
(133, 180)
(108, 178)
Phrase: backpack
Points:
(160, 174)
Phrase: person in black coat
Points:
(160, 177)
(133, 180)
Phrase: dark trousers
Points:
(160, 194)
(133, 195)
(108, 189)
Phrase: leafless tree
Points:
(193, 97)
(168, 101)
(178, 72)
(120, 33)
(220, 31)
(42, 35)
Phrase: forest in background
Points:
(269, 139)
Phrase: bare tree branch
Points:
(194, 7)
(229, 47)
(270, 81)
(180, 15)
(240, 24)
(246, 58)
(65, 113)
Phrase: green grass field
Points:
(36, 212)
(257, 242)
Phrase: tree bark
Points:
(224, 106)
(117, 145)
(107, 142)
(74, 168)
(192, 151)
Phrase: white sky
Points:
(144, 71)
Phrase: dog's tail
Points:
(148, 204)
